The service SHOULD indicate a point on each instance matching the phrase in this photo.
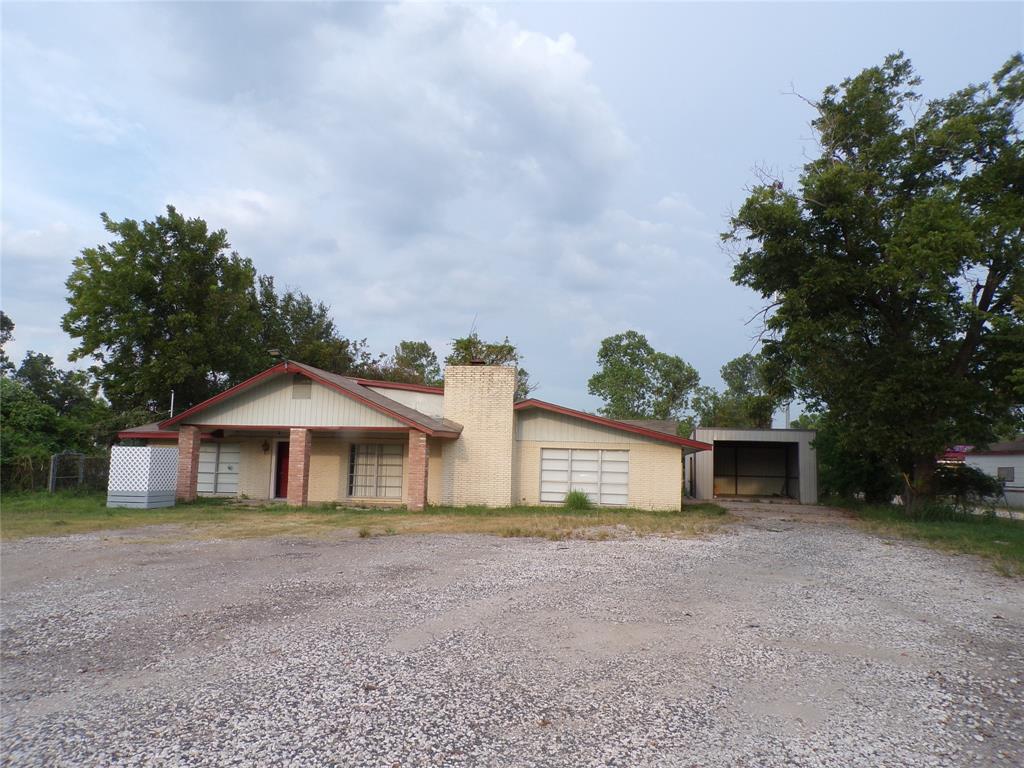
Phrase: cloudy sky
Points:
(555, 172)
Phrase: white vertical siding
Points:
(704, 464)
(271, 404)
(545, 426)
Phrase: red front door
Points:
(281, 479)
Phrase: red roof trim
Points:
(400, 385)
(283, 368)
(651, 433)
(231, 392)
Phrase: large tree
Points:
(638, 382)
(891, 268)
(165, 305)
(472, 349)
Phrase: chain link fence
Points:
(61, 472)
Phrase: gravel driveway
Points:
(783, 641)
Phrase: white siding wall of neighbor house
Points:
(704, 467)
(425, 402)
(990, 465)
(274, 403)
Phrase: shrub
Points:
(577, 500)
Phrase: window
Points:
(602, 475)
(1005, 474)
(375, 472)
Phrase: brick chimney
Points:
(478, 465)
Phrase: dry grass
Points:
(25, 515)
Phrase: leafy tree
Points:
(637, 382)
(30, 430)
(414, 362)
(165, 305)
(891, 269)
(748, 400)
(470, 349)
(68, 392)
(6, 334)
(302, 329)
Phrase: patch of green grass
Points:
(998, 539)
(42, 514)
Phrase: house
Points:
(302, 434)
(754, 463)
(1005, 462)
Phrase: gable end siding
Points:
(271, 403)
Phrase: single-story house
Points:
(754, 463)
(302, 434)
(1005, 462)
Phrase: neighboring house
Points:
(301, 434)
(1005, 462)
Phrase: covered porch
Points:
(386, 466)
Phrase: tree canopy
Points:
(747, 401)
(164, 305)
(471, 348)
(892, 267)
(414, 362)
(635, 381)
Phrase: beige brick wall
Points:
(254, 468)
(655, 472)
(478, 465)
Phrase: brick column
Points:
(419, 460)
(188, 463)
(299, 442)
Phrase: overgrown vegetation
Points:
(998, 539)
(577, 500)
(41, 514)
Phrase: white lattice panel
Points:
(143, 469)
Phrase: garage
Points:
(754, 463)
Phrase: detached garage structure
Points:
(757, 463)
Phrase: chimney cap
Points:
(478, 361)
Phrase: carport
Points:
(754, 463)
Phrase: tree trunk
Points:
(919, 487)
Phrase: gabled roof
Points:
(345, 385)
(623, 426)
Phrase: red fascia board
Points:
(284, 368)
(652, 433)
(400, 385)
(279, 368)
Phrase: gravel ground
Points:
(784, 641)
